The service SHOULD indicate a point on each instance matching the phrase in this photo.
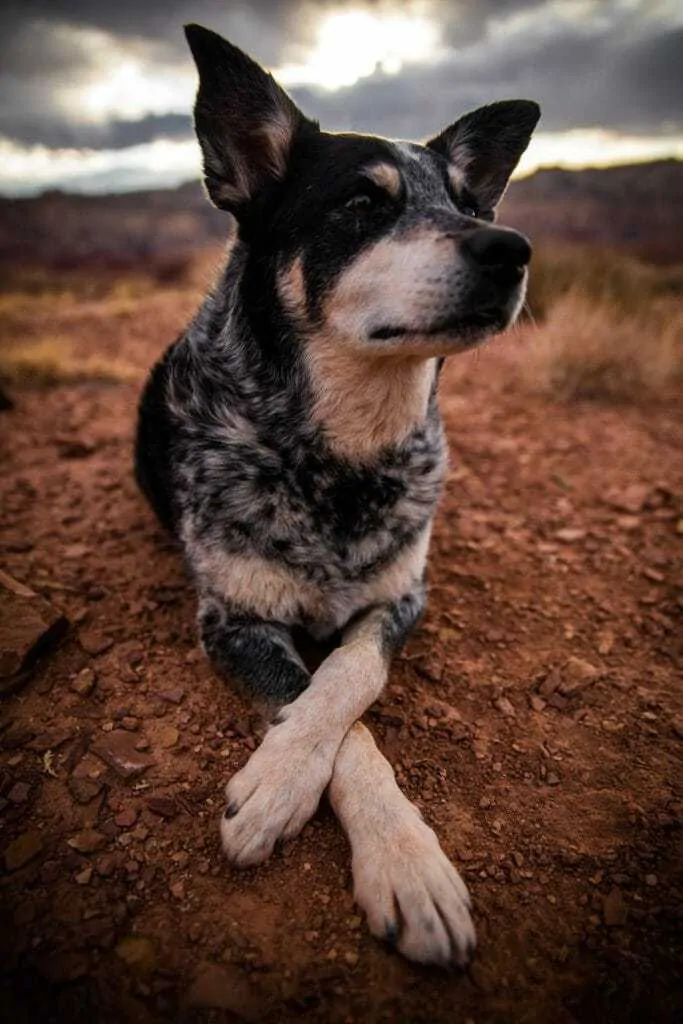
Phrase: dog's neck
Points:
(366, 404)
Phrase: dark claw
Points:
(231, 810)
(391, 932)
(279, 845)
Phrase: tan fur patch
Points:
(385, 176)
(365, 403)
(274, 591)
(292, 288)
(457, 178)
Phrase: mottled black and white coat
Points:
(291, 440)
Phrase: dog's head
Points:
(383, 246)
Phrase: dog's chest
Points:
(323, 517)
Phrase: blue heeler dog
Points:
(291, 440)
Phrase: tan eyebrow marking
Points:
(385, 176)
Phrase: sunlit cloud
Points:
(354, 44)
(28, 170)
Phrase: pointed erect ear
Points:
(244, 121)
(486, 144)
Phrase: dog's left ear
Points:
(246, 124)
(486, 145)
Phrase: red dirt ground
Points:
(554, 783)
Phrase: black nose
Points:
(501, 253)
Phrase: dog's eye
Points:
(360, 203)
(468, 207)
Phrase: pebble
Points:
(568, 536)
(537, 703)
(88, 841)
(173, 696)
(614, 910)
(164, 806)
(19, 793)
(118, 750)
(167, 736)
(126, 818)
(83, 877)
(24, 848)
(505, 706)
(95, 643)
(138, 952)
(84, 683)
(651, 880)
(577, 675)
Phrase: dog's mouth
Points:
(462, 328)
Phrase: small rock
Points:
(505, 706)
(29, 628)
(631, 499)
(130, 723)
(74, 552)
(568, 536)
(88, 841)
(552, 779)
(84, 790)
(651, 880)
(177, 890)
(537, 703)
(164, 806)
(677, 726)
(95, 643)
(117, 749)
(577, 675)
(19, 793)
(83, 877)
(351, 958)
(167, 736)
(614, 910)
(181, 859)
(126, 818)
(605, 642)
(138, 952)
(654, 575)
(24, 848)
(84, 683)
(173, 696)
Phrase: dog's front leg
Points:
(280, 787)
(411, 893)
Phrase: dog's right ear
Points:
(245, 122)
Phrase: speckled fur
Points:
(291, 441)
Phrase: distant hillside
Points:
(638, 206)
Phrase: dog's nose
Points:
(501, 253)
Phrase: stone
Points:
(83, 877)
(24, 848)
(173, 696)
(94, 642)
(84, 683)
(126, 818)
(505, 706)
(117, 749)
(84, 790)
(568, 536)
(29, 628)
(138, 952)
(167, 736)
(19, 793)
(614, 910)
(164, 806)
(88, 841)
(577, 675)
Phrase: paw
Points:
(411, 893)
(275, 794)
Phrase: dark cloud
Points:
(597, 63)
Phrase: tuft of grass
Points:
(606, 277)
(52, 361)
(594, 349)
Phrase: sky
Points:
(96, 95)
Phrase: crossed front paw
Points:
(275, 794)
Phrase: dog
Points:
(291, 441)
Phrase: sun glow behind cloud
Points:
(353, 44)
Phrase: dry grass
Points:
(606, 326)
(52, 361)
(592, 349)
